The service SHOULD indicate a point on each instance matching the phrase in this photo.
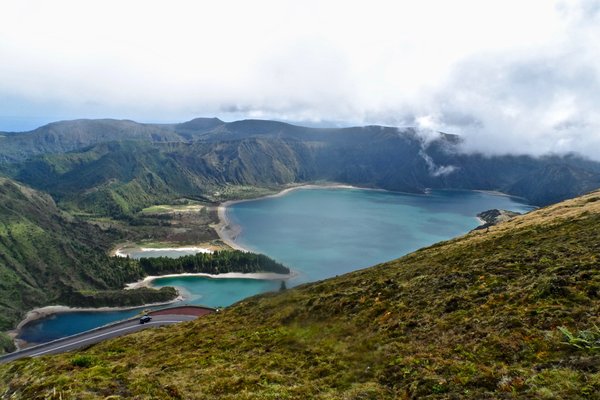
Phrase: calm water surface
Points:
(319, 233)
(326, 232)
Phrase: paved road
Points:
(95, 336)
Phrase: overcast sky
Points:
(510, 75)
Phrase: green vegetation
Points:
(218, 262)
(119, 168)
(587, 340)
(117, 298)
(44, 251)
(475, 317)
(6, 344)
(50, 257)
(240, 192)
(46, 256)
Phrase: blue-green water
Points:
(217, 292)
(327, 232)
(70, 323)
(319, 233)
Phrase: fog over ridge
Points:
(516, 77)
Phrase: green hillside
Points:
(46, 255)
(508, 313)
(116, 168)
(64, 136)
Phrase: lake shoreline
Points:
(226, 231)
(47, 311)
(229, 231)
(147, 281)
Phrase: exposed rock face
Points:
(495, 216)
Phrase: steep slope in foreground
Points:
(475, 317)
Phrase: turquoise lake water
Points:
(319, 233)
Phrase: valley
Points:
(279, 200)
(128, 184)
(476, 316)
(67, 208)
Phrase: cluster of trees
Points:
(116, 298)
(216, 263)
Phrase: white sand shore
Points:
(147, 281)
(125, 251)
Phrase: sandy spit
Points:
(147, 281)
(122, 251)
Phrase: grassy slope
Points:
(45, 254)
(475, 317)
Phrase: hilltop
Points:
(116, 168)
(504, 313)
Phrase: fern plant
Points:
(588, 340)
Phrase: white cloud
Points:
(536, 101)
(508, 75)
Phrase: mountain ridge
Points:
(209, 154)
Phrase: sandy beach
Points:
(147, 281)
(123, 251)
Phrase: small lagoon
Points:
(319, 233)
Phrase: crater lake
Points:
(318, 233)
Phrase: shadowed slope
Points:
(123, 166)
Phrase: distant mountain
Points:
(555, 182)
(509, 313)
(117, 167)
(64, 136)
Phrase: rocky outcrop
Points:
(495, 216)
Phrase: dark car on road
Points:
(145, 318)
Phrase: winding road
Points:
(96, 335)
